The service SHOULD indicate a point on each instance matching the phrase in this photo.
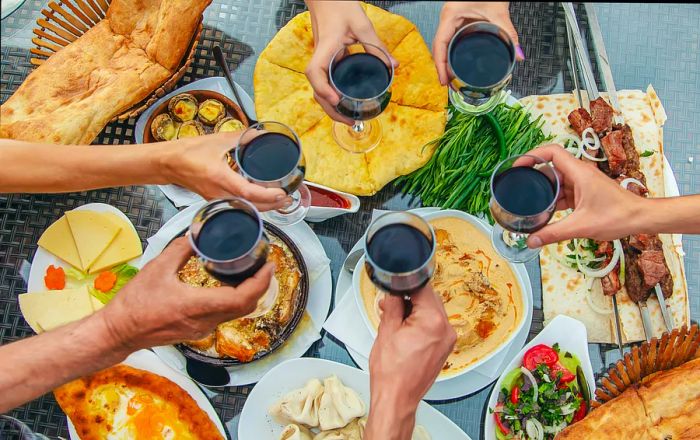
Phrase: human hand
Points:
(156, 308)
(603, 210)
(336, 23)
(454, 15)
(200, 165)
(407, 356)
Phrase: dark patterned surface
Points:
(646, 43)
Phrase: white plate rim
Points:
(561, 327)
(320, 290)
(43, 258)
(303, 365)
(147, 360)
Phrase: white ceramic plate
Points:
(571, 336)
(462, 385)
(256, 423)
(43, 258)
(146, 360)
(320, 292)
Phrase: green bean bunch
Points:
(458, 174)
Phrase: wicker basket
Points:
(672, 350)
(65, 21)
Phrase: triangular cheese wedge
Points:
(92, 232)
(58, 240)
(125, 247)
(45, 311)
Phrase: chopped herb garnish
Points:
(646, 153)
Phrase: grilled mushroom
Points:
(228, 124)
(211, 111)
(190, 129)
(163, 128)
(183, 107)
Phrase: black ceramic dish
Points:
(300, 307)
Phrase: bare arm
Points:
(155, 308)
(198, 164)
(679, 215)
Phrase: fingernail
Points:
(280, 197)
(288, 202)
(519, 52)
(534, 242)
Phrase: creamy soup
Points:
(480, 291)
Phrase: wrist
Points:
(163, 158)
(391, 416)
(113, 347)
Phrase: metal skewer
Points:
(599, 46)
(574, 35)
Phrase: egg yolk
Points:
(148, 419)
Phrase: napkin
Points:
(180, 196)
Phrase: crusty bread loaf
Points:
(119, 62)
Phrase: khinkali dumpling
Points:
(339, 405)
(295, 432)
(420, 433)
(353, 431)
(299, 406)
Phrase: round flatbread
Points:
(415, 116)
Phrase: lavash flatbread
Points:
(415, 116)
(565, 290)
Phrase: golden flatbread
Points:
(123, 402)
(415, 116)
(565, 290)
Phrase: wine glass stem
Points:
(358, 127)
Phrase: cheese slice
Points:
(96, 303)
(93, 232)
(45, 311)
(58, 240)
(125, 247)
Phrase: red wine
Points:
(399, 248)
(228, 235)
(523, 191)
(270, 156)
(480, 59)
(361, 76)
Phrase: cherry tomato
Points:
(515, 394)
(581, 411)
(499, 423)
(540, 354)
(566, 375)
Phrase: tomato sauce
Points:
(327, 199)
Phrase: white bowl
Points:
(571, 336)
(319, 213)
(523, 282)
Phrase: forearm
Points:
(670, 215)
(41, 363)
(390, 417)
(44, 168)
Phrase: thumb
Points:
(565, 229)
(392, 316)
(241, 300)
(175, 255)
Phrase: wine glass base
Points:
(475, 109)
(356, 141)
(294, 213)
(512, 246)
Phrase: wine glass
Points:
(269, 154)
(361, 73)
(229, 238)
(481, 58)
(400, 253)
(524, 194)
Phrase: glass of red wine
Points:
(362, 74)
(524, 194)
(269, 154)
(400, 253)
(229, 238)
(481, 58)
